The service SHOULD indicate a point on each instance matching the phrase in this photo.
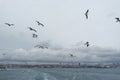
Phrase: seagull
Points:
(9, 24)
(118, 20)
(71, 55)
(87, 44)
(40, 23)
(32, 29)
(86, 14)
(35, 35)
(40, 46)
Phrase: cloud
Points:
(82, 54)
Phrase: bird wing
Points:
(38, 22)
(7, 24)
(41, 24)
(12, 24)
(86, 14)
(34, 30)
(87, 11)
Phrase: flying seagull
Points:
(40, 23)
(86, 14)
(32, 29)
(35, 35)
(71, 55)
(87, 44)
(40, 46)
(118, 20)
(9, 24)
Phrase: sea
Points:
(60, 74)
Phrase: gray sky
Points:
(64, 21)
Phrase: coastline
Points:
(55, 65)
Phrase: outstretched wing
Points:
(7, 24)
(34, 30)
(86, 14)
(40, 23)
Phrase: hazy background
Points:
(66, 29)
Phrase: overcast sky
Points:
(65, 25)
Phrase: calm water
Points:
(61, 74)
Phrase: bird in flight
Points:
(32, 29)
(40, 23)
(87, 44)
(71, 55)
(118, 20)
(9, 24)
(86, 14)
(35, 35)
(40, 46)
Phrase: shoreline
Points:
(5, 66)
